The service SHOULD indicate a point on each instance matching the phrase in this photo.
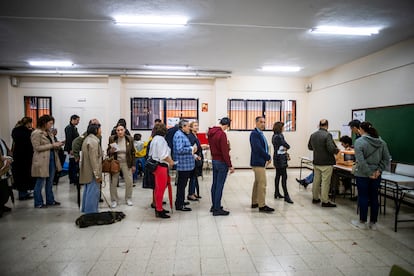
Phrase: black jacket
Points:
(279, 160)
(323, 147)
(71, 132)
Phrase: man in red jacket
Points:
(219, 147)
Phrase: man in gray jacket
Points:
(324, 150)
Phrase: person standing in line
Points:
(280, 160)
(324, 151)
(354, 126)
(372, 158)
(259, 159)
(121, 148)
(90, 172)
(22, 155)
(183, 155)
(45, 161)
(61, 154)
(71, 132)
(220, 154)
(198, 160)
(160, 152)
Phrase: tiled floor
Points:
(298, 239)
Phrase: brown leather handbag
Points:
(110, 165)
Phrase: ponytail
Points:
(368, 128)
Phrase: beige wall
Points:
(384, 78)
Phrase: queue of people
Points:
(36, 162)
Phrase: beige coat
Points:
(91, 162)
(41, 153)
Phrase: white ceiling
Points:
(231, 35)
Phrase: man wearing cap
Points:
(354, 126)
(219, 147)
(71, 132)
(259, 159)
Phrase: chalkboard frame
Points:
(393, 126)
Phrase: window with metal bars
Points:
(244, 112)
(35, 107)
(144, 111)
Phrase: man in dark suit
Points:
(259, 159)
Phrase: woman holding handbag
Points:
(372, 158)
(280, 160)
(121, 148)
(160, 152)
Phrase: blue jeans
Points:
(368, 195)
(220, 171)
(37, 192)
(90, 200)
(138, 161)
(309, 178)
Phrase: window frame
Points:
(287, 108)
(163, 112)
(35, 113)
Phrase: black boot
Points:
(288, 200)
(161, 214)
(285, 191)
(277, 193)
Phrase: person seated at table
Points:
(346, 143)
(306, 181)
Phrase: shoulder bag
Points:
(110, 165)
(151, 165)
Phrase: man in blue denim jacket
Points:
(183, 156)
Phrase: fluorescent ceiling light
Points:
(151, 20)
(337, 30)
(63, 63)
(169, 67)
(281, 68)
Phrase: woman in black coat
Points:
(280, 158)
(22, 156)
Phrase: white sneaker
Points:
(129, 202)
(359, 224)
(373, 226)
(114, 204)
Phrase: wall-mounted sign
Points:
(204, 107)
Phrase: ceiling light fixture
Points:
(168, 67)
(281, 68)
(151, 20)
(45, 63)
(119, 72)
(337, 30)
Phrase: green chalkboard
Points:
(395, 125)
